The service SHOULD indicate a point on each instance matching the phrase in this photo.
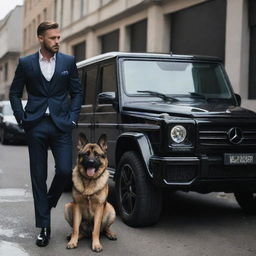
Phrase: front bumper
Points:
(203, 174)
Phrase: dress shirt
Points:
(47, 68)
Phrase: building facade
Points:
(223, 28)
(35, 11)
(11, 46)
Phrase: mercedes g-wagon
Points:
(171, 121)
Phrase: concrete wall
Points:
(90, 19)
(34, 13)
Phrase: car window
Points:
(108, 78)
(90, 82)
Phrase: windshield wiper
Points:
(202, 96)
(198, 95)
(160, 95)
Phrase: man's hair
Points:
(46, 25)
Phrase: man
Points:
(54, 101)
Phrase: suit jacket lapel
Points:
(37, 70)
(58, 67)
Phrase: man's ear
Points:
(102, 142)
(40, 38)
(82, 141)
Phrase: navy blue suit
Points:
(63, 95)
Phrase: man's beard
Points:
(51, 49)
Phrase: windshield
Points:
(176, 78)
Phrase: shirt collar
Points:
(41, 58)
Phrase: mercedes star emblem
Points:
(235, 135)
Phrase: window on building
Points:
(200, 29)
(34, 31)
(6, 71)
(110, 42)
(38, 19)
(79, 51)
(45, 14)
(252, 61)
(29, 35)
(138, 36)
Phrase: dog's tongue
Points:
(90, 171)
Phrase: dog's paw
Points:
(97, 247)
(71, 245)
(111, 235)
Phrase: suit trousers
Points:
(40, 138)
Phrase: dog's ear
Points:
(82, 141)
(102, 142)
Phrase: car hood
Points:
(10, 119)
(190, 110)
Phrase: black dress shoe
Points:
(44, 237)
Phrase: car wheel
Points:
(138, 201)
(247, 201)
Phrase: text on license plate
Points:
(246, 158)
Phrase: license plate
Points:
(239, 159)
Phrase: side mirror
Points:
(106, 98)
(238, 99)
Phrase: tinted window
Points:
(108, 78)
(90, 85)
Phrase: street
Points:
(191, 224)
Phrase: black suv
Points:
(172, 121)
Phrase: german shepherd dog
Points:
(90, 214)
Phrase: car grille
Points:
(217, 135)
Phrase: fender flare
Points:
(143, 144)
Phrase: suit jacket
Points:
(63, 96)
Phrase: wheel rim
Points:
(127, 189)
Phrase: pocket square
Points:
(64, 73)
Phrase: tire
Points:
(247, 201)
(139, 203)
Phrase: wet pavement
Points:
(191, 224)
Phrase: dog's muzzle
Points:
(90, 165)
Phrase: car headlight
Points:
(178, 133)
